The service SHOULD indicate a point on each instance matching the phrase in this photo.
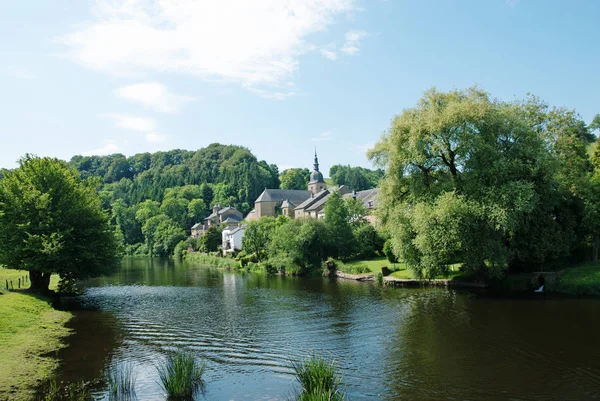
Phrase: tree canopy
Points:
(53, 222)
(486, 183)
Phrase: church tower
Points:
(316, 183)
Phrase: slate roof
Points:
(288, 203)
(368, 197)
(319, 203)
(225, 209)
(232, 219)
(279, 195)
(312, 200)
(197, 225)
(210, 216)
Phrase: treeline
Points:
(156, 197)
(489, 184)
(357, 178)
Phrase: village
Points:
(293, 203)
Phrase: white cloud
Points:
(154, 137)
(254, 43)
(329, 53)
(272, 95)
(352, 45)
(155, 96)
(107, 149)
(133, 123)
(323, 136)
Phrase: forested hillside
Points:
(156, 197)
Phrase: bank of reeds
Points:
(181, 375)
(318, 379)
(211, 260)
(121, 382)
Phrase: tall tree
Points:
(294, 178)
(471, 179)
(52, 222)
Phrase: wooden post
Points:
(19, 282)
(12, 285)
(7, 285)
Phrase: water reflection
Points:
(391, 344)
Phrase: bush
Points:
(181, 375)
(180, 250)
(369, 242)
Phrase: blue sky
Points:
(277, 76)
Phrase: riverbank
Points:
(31, 333)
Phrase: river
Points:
(390, 344)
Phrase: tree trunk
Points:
(39, 281)
(595, 246)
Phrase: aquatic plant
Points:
(181, 375)
(121, 382)
(76, 391)
(318, 379)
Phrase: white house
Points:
(232, 238)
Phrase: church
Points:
(296, 203)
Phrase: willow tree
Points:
(53, 222)
(465, 175)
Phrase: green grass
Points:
(30, 334)
(204, 259)
(581, 280)
(318, 379)
(181, 375)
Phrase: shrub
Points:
(318, 380)
(181, 375)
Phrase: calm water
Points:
(390, 344)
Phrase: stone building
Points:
(300, 203)
(228, 215)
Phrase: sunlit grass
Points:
(181, 375)
(30, 335)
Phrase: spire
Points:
(316, 165)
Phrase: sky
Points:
(279, 77)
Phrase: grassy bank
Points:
(581, 280)
(211, 260)
(30, 335)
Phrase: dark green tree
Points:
(257, 236)
(52, 222)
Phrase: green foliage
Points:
(53, 222)
(357, 178)
(181, 375)
(337, 221)
(369, 243)
(487, 183)
(389, 252)
(294, 178)
(318, 380)
(210, 240)
(581, 280)
(302, 244)
(258, 235)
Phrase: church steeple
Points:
(316, 183)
